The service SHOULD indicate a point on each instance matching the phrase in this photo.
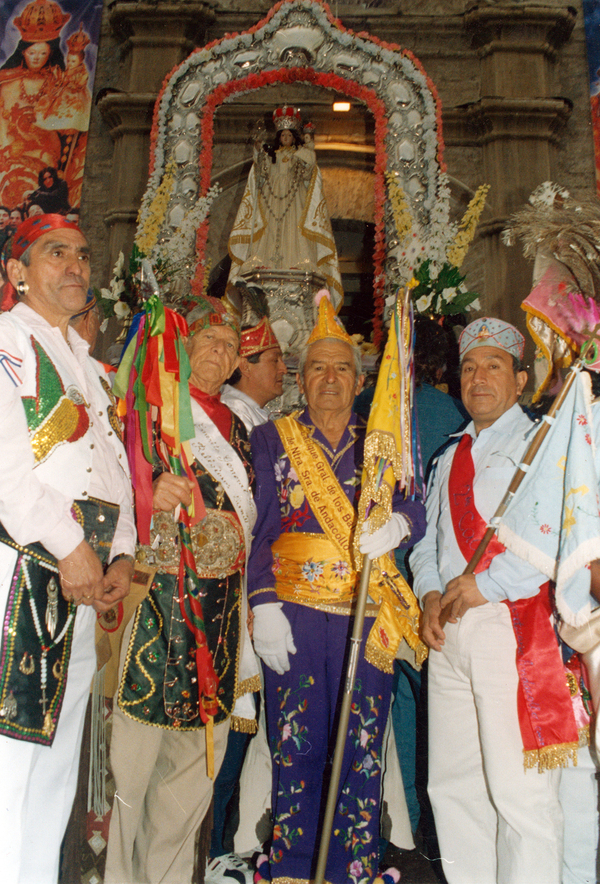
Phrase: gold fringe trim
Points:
(248, 686)
(550, 757)
(421, 653)
(243, 725)
(379, 659)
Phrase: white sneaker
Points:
(226, 869)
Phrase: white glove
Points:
(272, 636)
(384, 539)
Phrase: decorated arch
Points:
(300, 42)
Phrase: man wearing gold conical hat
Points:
(302, 582)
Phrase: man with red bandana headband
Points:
(66, 538)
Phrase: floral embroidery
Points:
(582, 420)
(340, 569)
(545, 529)
(312, 570)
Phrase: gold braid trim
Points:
(248, 686)
(258, 591)
(291, 881)
(243, 725)
(584, 736)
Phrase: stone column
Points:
(517, 121)
(156, 38)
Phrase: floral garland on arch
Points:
(431, 260)
(247, 82)
(168, 256)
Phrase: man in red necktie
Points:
(497, 697)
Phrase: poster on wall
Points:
(591, 12)
(48, 51)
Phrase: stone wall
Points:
(512, 78)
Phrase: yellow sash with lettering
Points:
(398, 611)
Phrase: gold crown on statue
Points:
(327, 325)
(287, 117)
(78, 41)
(41, 21)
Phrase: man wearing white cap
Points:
(496, 685)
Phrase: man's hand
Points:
(461, 594)
(169, 491)
(273, 640)
(114, 586)
(431, 631)
(385, 539)
(80, 574)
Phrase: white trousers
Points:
(162, 795)
(579, 800)
(38, 783)
(496, 823)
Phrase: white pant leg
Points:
(39, 782)
(579, 798)
(530, 822)
(465, 821)
(483, 735)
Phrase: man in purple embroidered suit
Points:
(302, 583)
(498, 701)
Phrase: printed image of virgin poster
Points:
(48, 51)
(591, 13)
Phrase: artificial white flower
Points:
(122, 310)
(108, 294)
(474, 305)
(422, 303)
(448, 295)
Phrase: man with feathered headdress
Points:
(302, 583)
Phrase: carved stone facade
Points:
(512, 77)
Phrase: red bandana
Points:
(26, 233)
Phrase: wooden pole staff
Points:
(342, 732)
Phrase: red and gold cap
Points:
(211, 311)
(78, 41)
(287, 117)
(328, 325)
(41, 21)
(257, 339)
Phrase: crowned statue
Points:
(282, 238)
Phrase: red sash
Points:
(548, 728)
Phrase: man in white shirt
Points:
(496, 821)
(67, 538)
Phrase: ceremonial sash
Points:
(546, 719)
(398, 613)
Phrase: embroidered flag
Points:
(553, 521)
